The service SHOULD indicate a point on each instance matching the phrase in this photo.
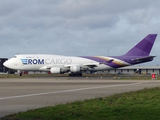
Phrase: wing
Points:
(83, 66)
(73, 67)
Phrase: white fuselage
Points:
(42, 62)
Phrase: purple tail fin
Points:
(144, 47)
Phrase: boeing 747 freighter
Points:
(75, 66)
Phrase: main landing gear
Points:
(75, 74)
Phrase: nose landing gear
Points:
(19, 73)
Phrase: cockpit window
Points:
(14, 56)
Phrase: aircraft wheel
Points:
(71, 74)
(19, 74)
(80, 74)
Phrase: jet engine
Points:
(55, 70)
(75, 69)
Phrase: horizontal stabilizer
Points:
(143, 58)
(105, 62)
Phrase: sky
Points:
(77, 27)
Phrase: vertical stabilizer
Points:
(143, 48)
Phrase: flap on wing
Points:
(143, 58)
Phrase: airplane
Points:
(76, 65)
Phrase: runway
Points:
(29, 93)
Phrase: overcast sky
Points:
(77, 27)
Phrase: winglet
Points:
(143, 48)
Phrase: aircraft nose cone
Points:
(6, 63)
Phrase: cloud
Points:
(80, 27)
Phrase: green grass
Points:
(139, 105)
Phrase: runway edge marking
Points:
(72, 90)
